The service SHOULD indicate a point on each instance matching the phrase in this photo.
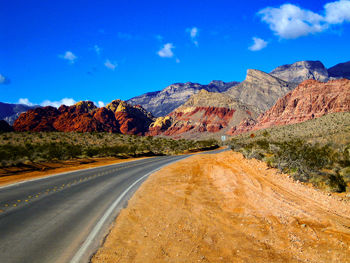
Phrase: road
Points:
(63, 218)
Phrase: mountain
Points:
(84, 116)
(311, 99)
(300, 71)
(5, 127)
(341, 70)
(10, 112)
(203, 114)
(260, 89)
(161, 103)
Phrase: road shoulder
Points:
(222, 207)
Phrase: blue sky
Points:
(104, 50)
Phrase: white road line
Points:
(97, 228)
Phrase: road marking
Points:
(97, 228)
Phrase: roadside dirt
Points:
(224, 208)
(19, 174)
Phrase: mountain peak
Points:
(301, 70)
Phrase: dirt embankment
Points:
(224, 208)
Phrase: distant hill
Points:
(161, 103)
(10, 112)
(341, 70)
(211, 113)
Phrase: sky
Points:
(54, 52)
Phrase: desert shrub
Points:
(304, 161)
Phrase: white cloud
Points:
(101, 104)
(177, 60)
(110, 65)
(166, 51)
(290, 21)
(258, 44)
(4, 80)
(337, 12)
(69, 56)
(97, 49)
(64, 101)
(25, 101)
(193, 34)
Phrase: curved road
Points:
(64, 218)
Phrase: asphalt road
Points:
(64, 218)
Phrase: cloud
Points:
(4, 80)
(290, 21)
(177, 60)
(64, 101)
(258, 44)
(69, 56)
(101, 104)
(110, 65)
(337, 12)
(166, 51)
(193, 34)
(97, 49)
(25, 101)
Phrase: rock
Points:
(39, 119)
(205, 112)
(300, 71)
(311, 99)
(260, 89)
(84, 116)
(161, 103)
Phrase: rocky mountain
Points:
(204, 113)
(161, 103)
(341, 70)
(260, 89)
(10, 112)
(311, 99)
(84, 116)
(300, 71)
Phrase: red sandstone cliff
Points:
(84, 116)
(311, 99)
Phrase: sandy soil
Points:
(19, 174)
(224, 208)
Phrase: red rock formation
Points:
(39, 119)
(311, 99)
(86, 117)
(205, 112)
